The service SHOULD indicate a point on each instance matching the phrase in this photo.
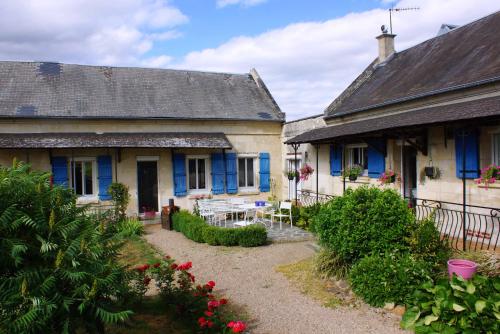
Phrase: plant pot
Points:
(463, 268)
(291, 177)
(430, 172)
(353, 178)
(392, 179)
(149, 214)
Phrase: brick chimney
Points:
(385, 46)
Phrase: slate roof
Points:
(111, 140)
(463, 57)
(483, 109)
(54, 90)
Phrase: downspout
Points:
(317, 173)
(343, 169)
(403, 185)
(464, 189)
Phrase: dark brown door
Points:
(147, 185)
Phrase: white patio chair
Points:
(235, 205)
(248, 219)
(284, 206)
(221, 211)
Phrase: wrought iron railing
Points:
(479, 229)
(309, 197)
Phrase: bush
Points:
(304, 216)
(388, 278)
(330, 265)
(130, 227)
(455, 306)
(364, 221)
(426, 244)
(58, 266)
(195, 228)
(121, 197)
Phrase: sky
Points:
(306, 51)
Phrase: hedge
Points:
(196, 229)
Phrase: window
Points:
(358, 155)
(83, 177)
(197, 174)
(246, 174)
(496, 148)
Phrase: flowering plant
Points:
(305, 172)
(353, 172)
(387, 177)
(197, 303)
(489, 175)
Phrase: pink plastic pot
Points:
(463, 268)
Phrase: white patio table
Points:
(251, 207)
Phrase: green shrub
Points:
(330, 265)
(210, 235)
(364, 221)
(252, 236)
(196, 229)
(303, 216)
(130, 227)
(426, 244)
(388, 278)
(59, 268)
(455, 306)
(121, 197)
(227, 236)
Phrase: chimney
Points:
(385, 46)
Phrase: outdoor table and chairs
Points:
(239, 212)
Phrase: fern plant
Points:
(58, 268)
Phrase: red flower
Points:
(142, 268)
(209, 314)
(211, 284)
(191, 276)
(146, 280)
(156, 265)
(185, 266)
(213, 304)
(173, 266)
(237, 326)
(223, 301)
(202, 322)
(210, 324)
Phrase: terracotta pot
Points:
(463, 268)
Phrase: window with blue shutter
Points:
(218, 173)
(179, 165)
(60, 171)
(231, 173)
(104, 176)
(264, 172)
(376, 157)
(471, 153)
(335, 160)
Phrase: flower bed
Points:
(195, 228)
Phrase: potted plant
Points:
(305, 172)
(291, 174)
(489, 175)
(353, 172)
(387, 177)
(431, 172)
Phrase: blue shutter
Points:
(471, 154)
(218, 173)
(264, 172)
(104, 176)
(179, 164)
(335, 160)
(376, 159)
(60, 171)
(231, 174)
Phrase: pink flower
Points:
(209, 313)
(156, 265)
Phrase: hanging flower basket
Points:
(387, 177)
(305, 172)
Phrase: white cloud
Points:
(306, 65)
(85, 31)
(245, 3)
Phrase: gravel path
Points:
(247, 276)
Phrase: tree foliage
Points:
(58, 268)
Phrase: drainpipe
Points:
(317, 173)
(464, 189)
(403, 141)
(343, 169)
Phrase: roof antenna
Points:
(392, 9)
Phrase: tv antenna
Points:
(392, 9)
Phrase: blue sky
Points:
(307, 51)
(210, 25)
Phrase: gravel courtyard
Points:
(247, 277)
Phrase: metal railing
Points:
(479, 229)
(308, 197)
